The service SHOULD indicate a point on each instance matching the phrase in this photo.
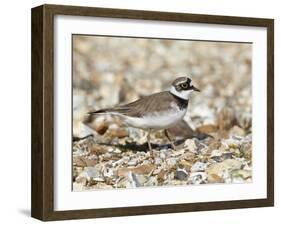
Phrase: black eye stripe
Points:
(182, 84)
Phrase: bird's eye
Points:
(184, 85)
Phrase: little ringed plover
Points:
(158, 111)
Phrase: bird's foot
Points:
(173, 146)
(149, 147)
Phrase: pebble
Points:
(191, 145)
(198, 166)
(118, 132)
(162, 155)
(100, 125)
(222, 169)
(158, 161)
(237, 131)
(197, 178)
(211, 128)
(171, 161)
(90, 173)
(117, 151)
(132, 162)
(181, 174)
(141, 169)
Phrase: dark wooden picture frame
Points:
(42, 203)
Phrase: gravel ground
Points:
(214, 142)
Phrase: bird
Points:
(158, 111)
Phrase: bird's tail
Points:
(91, 115)
(101, 111)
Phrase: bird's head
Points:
(182, 87)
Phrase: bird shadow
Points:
(132, 146)
(135, 147)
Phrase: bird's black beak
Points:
(195, 89)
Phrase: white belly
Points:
(161, 120)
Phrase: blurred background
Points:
(108, 71)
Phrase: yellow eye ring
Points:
(184, 85)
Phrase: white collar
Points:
(184, 94)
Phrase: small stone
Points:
(170, 175)
(222, 169)
(117, 151)
(132, 162)
(231, 143)
(98, 149)
(162, 155)
(106, 157)
(133, 180)
(214, 178)
(198, 166)
(227, 155)
(109, 173)
(189, 156)
(83, 161)
(185, 164)
(219, 155)
(90, 173)
(245, 174)
(237, 180)
(177, 153)
(100, 125)
(118, 132)
(191, 145)
(171, 162)
(78, 186)
(197, 178)
(76, 171)
(214, 144)
(103, 186)
(158, 161)
(247, 152)
(79, 161)
(161, 176)
(118, 162)
(216, 153)
(141, 169)
(145, 162)
(110, 149)
(81, 180)
(156, 171)
(181, 174)
(152, 181)
(98, 179)
(207, 129)
(237, 131)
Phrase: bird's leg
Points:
(148, 140)
(169, 138)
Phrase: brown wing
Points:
(155, 102)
